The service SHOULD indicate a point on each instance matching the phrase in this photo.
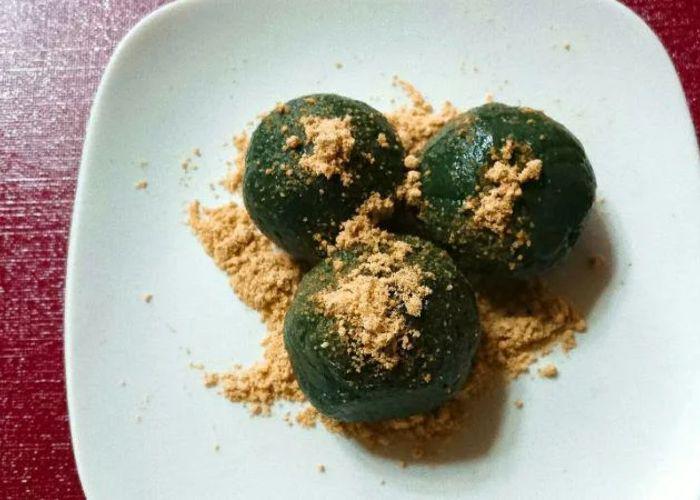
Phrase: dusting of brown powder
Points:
(517, 327)
(548, 371)
(234, 178)
(370, 303)
(417, 123)
(264, 279)
(493, 206)
(333, 141)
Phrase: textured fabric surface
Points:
(52, 53)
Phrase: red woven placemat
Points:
(52, 54)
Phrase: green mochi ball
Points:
(287, 192)
(350, 388)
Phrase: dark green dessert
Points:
(311, 163)
(505, 190)
(382, 333)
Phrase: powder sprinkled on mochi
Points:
(512, 167)
(332, 143)
(370, 305)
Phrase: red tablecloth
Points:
(52, 54)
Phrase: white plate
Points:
(620, 422)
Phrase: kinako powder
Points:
(493, 206)
(519, 325)
(332, 140)
(367, 305)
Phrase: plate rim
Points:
(86, 167)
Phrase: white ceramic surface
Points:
(622, 419)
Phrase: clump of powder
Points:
(370, 305)
(410, 189)
(264, 279)
(415, 125)
(362, 227)
(332, 143)
(521, 324)
(234, 177)
(493, 207)
(548, 371)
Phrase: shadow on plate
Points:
(473, 439)
(588, 270)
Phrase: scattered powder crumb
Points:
(260, 409)
(143, 163)
(188, 165)
(567, 46)
(122, 383)
(411, 162)
(147, 297)
(339, 65)
(197, 152)
(488, 97)
(281, 108)
(196, 366)
(211, 379)
(138, 419)
(321, 468)
(292, 142)
(568, 340)
(212, 188)
(307, 417)
(548, 371)
(234, 178)
(333, 141)
(410, 189)
(519, 404)
(382, 140)
(217, 447)
(142, 184)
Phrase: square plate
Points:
(620, 422)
